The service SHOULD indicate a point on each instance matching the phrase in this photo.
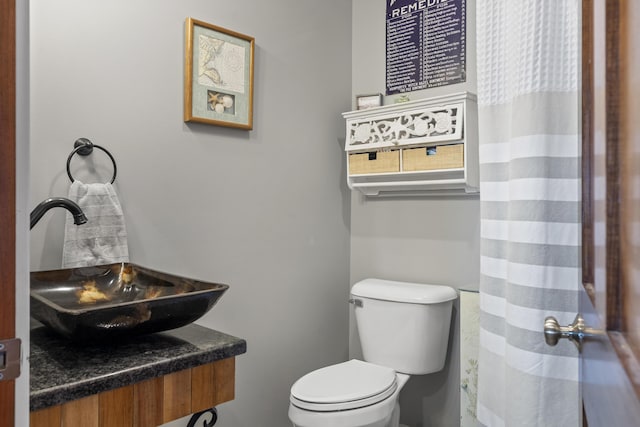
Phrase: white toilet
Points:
(404, 330)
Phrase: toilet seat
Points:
(349, 385)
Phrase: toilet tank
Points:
(404, 326)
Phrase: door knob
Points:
(575, 332)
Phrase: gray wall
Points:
(266, 211)
(426, 240)
(22, 208)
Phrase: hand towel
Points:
(103, 239)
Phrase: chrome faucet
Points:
(58, 202)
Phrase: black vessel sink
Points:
(117, 300)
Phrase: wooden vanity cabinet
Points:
(148, 403)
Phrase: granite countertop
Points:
(62, 370)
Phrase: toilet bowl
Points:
(348, 394)
(404, 330)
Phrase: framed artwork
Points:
(218, 83)
(368, 101)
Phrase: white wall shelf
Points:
(427, 147)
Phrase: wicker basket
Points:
(424, 158)
(374, 162)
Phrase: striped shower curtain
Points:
(528, 74)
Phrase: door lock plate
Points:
(10, 359)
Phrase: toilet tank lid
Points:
(413, 293)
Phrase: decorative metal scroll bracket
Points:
(206, 418)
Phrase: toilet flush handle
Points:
(355, 301)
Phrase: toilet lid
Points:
(347, 385)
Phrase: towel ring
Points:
(84, 147)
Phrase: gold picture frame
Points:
(218, 82)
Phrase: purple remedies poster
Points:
(426, 44)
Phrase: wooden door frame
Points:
(587, 148)
(7, 194)
(615, 322)
(614, 295)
